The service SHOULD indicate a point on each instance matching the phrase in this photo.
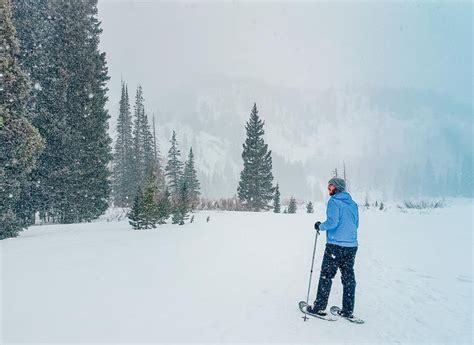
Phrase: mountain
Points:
(385, 137)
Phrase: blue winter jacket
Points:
(342, 220)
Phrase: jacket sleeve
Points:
(332, 215)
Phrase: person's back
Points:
(343, 220)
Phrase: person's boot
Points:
(344, 314)
(311, 310)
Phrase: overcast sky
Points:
(307, 44)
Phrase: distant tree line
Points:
(154, 192)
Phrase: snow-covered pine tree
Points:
(143, 144)
(190, 176)
(145, 212)
(122, 168)
(69, 74)
(276, 200)
(164, 207)
(89, 144)
(255, 188)
(182, 206)
(292, 207)
(20, 142)
(174, 168)
(157, 163)
(36, 23)
(148, 146)
(309, 207)
(138, 153)
(137, 214)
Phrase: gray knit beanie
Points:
(339, 183)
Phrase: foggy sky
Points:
(304, 45)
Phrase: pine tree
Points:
(20, 142)
(146, 212)
(309, 207)
(164, 207)
(90, 150)
(255, 188)
(276, 200)
(138, 150)
(157, 163)
(292, 207)
(190, 176)
(33, 20)
(38, 24)
(136, 213)
(174, 168)
(123, 158)
(182, 206)
(71, 181)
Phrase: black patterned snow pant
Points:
(343, 258)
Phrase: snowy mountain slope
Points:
(237, 278)
(383, 136)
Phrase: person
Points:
(341, 247)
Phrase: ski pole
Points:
(311, 273)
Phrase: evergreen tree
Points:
(190, 176)
(90, 150)
(145, 212)
(123, 179)
(276, 200)
(309, 207)
(255, 188)
(71, 181)
(147, 209)
(136, 214)
(182, 205)
(292, 207)
(148, 146)
(174, 168)
(20, 142)
(138, 150)
(34, 21)
(164, 207)
(157, 163)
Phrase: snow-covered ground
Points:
(237, 278)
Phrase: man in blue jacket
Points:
(341, 247)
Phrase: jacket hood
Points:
(344, 197)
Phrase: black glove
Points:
(316, 225)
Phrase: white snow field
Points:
(236, 279)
